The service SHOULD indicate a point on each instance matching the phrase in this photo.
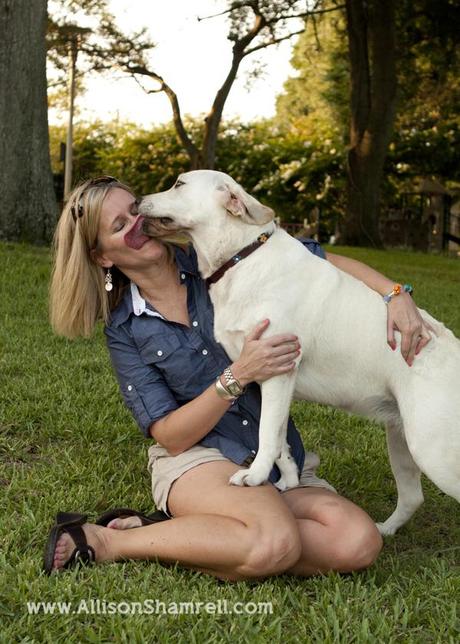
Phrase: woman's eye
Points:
(119, 226)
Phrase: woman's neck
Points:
(158, 282)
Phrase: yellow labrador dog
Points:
(341, 323)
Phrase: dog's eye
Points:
(179, 183)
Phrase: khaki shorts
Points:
(165, 469)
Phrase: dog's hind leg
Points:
(432, 430)
(276, 399)
(407, 477)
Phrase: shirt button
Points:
(130, 387)
(245, 422)
(182, 276)
(194, 323)
(205, 352)
(159, 353)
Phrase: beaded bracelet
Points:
(397, 288)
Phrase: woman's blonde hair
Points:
(77, 293)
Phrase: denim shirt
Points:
(161, 365)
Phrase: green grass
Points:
(66, 442)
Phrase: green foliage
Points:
(427, 128)
(317, 95)
(284, 168)
(296, 161)
(147, 160)
(426, 139)
(287, 170)
(68, 443)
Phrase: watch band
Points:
(222, 392)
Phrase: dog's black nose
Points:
(134, 209)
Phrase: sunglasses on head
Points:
(77, 209)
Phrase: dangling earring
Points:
(108, 280)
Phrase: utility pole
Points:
(73, 53)
(74, 36)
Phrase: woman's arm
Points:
(403, 314)
(260, 359)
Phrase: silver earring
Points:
(108, 280)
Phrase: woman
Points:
(159, 331)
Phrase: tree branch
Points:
(235, 5)
(188, 144)
(273, 42)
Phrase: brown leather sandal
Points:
(71, 523)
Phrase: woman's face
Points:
(120, 240)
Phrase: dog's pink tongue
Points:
(135, 238)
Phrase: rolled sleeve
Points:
(313, 246)
(142, 386)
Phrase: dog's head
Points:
(200, 197)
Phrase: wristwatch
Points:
(231, 383)
(223, 391)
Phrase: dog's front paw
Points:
(281, 484)
(287, 481)
(289, 474)
(247, 477)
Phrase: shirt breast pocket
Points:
(167, 355)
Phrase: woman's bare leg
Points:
(244, 532)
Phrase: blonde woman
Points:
(159, 328)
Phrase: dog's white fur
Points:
(341, 324)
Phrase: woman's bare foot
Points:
(97, 537)
(125, 523)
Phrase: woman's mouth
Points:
(135, 237)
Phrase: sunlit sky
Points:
(193, 57)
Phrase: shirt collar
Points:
(133, 303)
(139, 305)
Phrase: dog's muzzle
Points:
(157, 226)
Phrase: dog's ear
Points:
(239, 203)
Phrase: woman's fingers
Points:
(281, 339)
(391, 332)
(413, 339)
(423, 339)
(285, 357)
(284, 349)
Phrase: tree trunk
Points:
(371, 37)
(28, 204)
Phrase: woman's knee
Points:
(274, 549)
(358, 545)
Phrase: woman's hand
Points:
(264, 358)
(403, 316)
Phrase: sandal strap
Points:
(79, 555)
(158, 516)
(83, 552)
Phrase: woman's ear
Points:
(100, 259)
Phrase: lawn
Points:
(66, 442)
